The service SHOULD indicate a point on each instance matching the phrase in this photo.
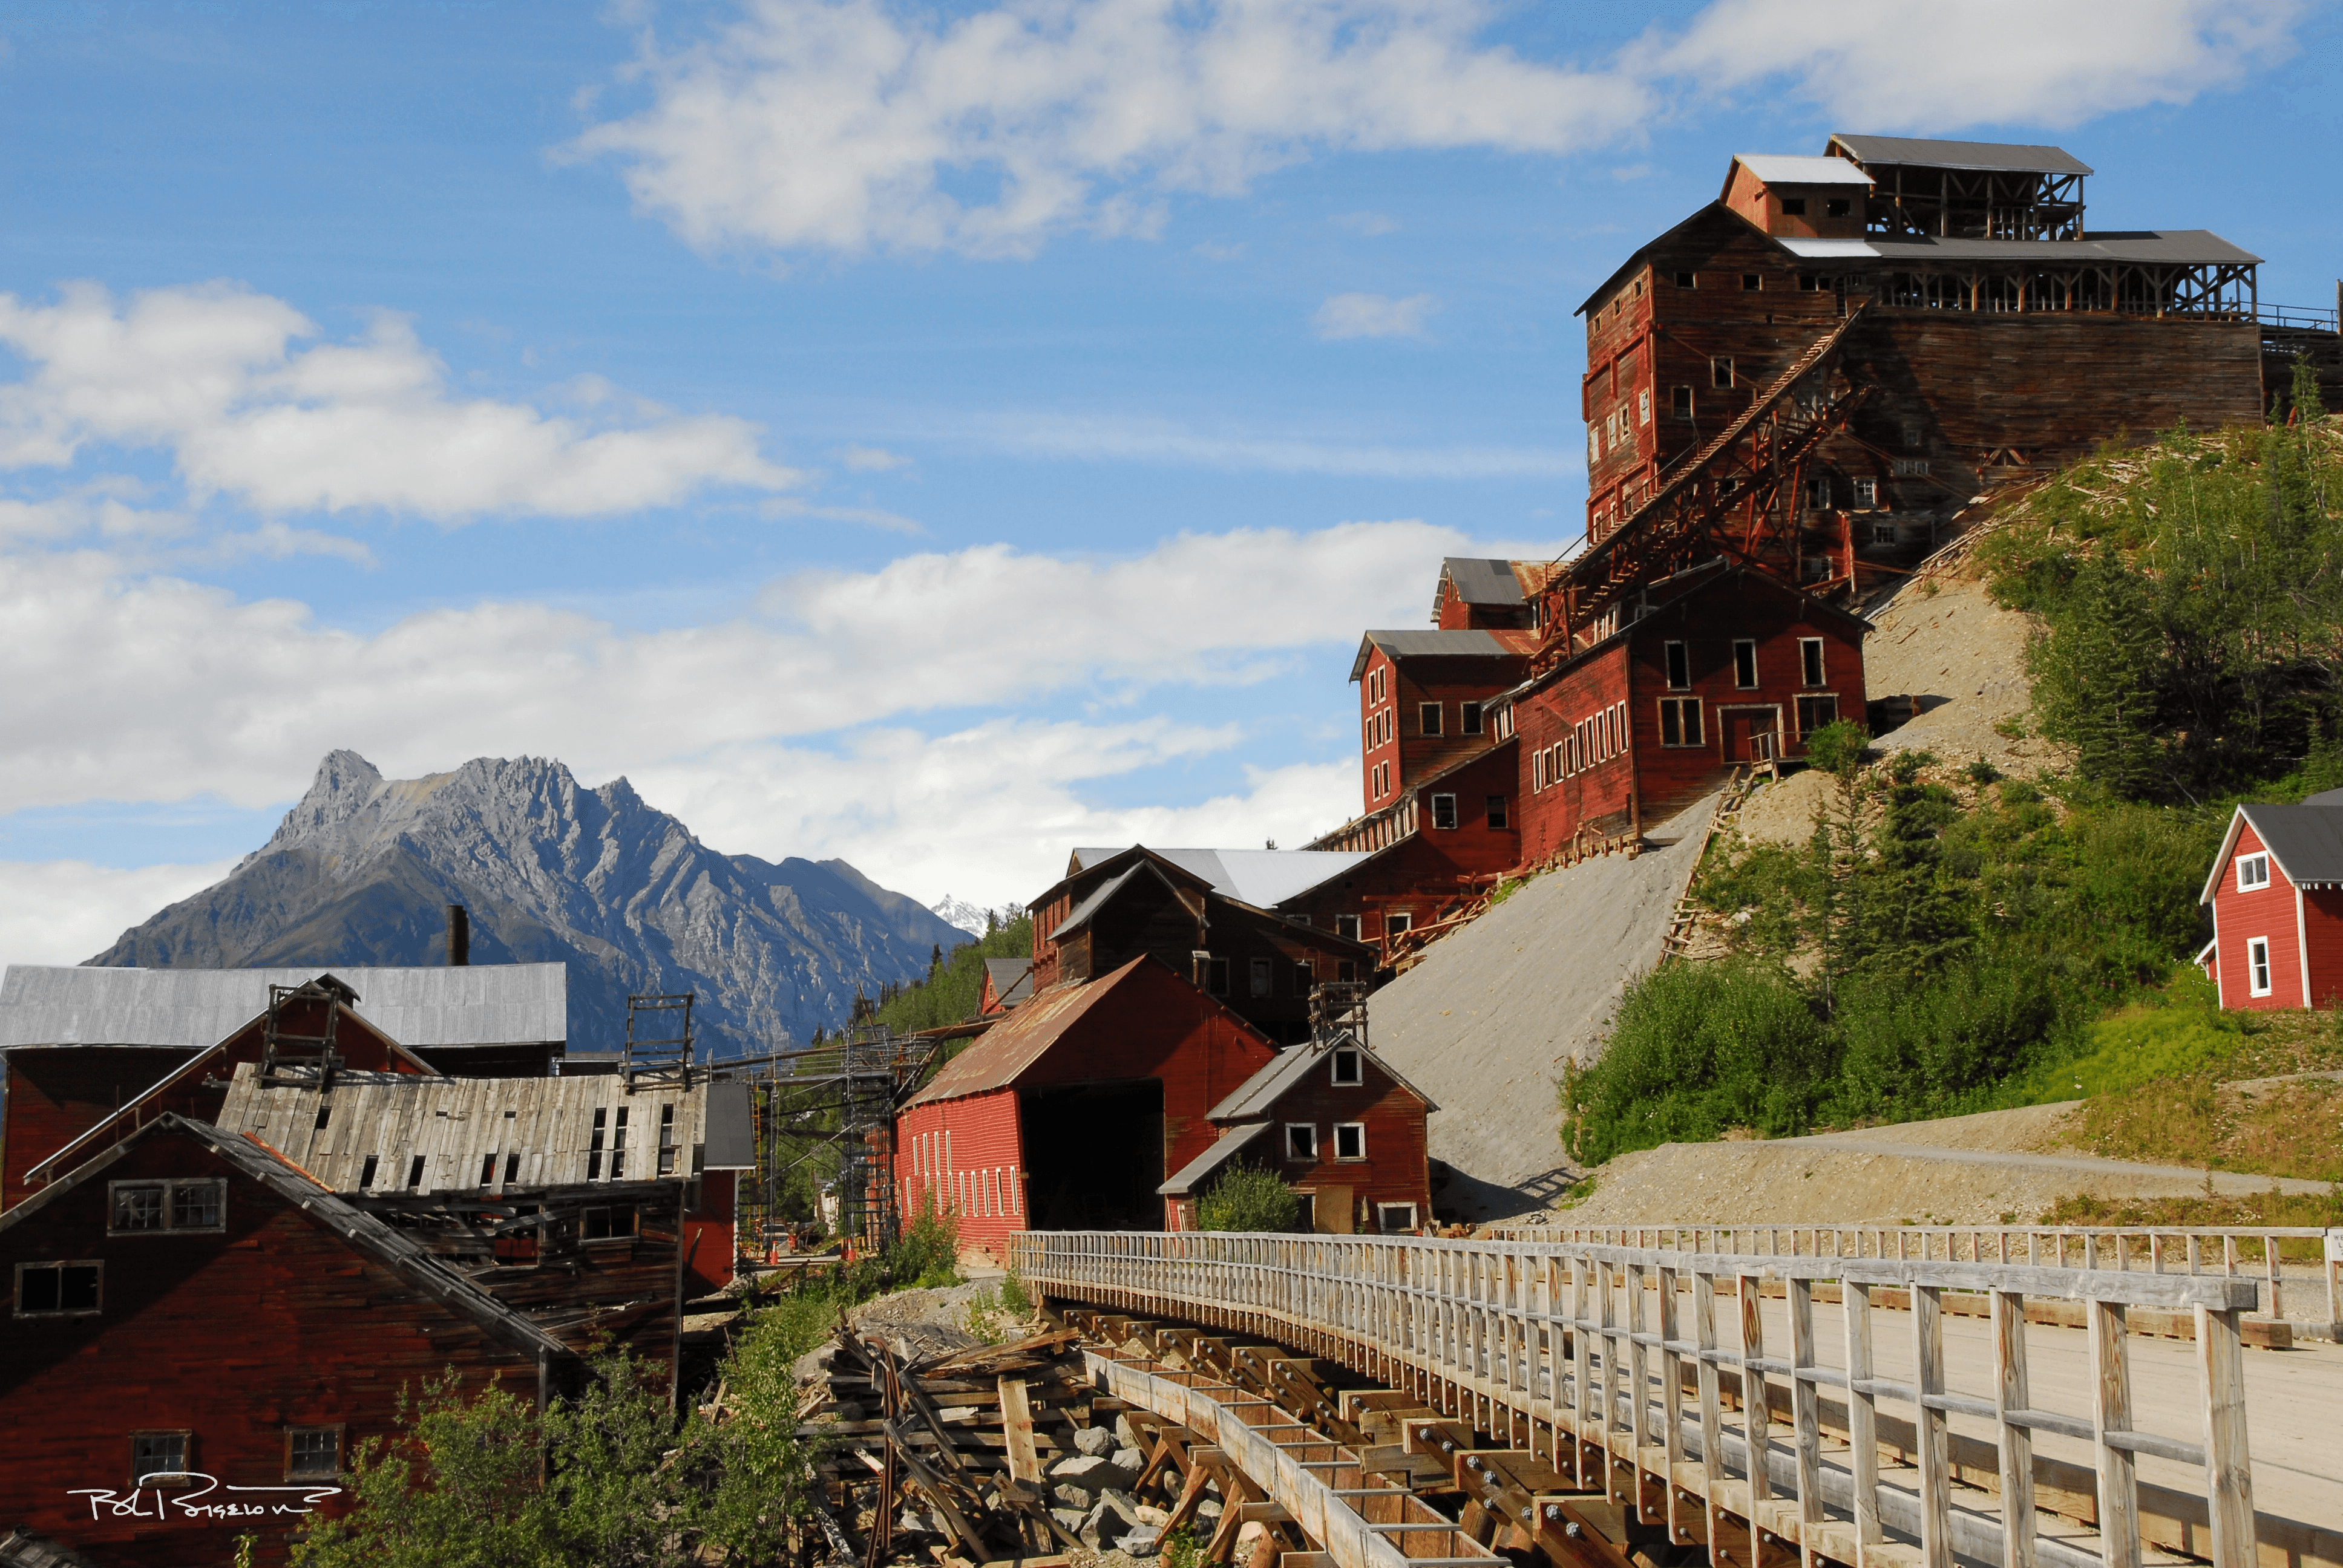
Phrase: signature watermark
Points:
(202, 1498)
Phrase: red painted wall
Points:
(278, 1322)
(58, 1092)
(965, 1155)
(2322, 923)
(2266, 911)
(709, 1235)
(1599, 796)
(1397, 1168)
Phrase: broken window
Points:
(1216, 977)
(615, 1223)
(1814, 712)
(1838, 207)
(1393, 1218)
(1794, 206)
(312, 1452)
(1810, 659)
(1867, 493)
(1397, 921)
(1349, 1140)
(1301, 1141)
(1346, 969)
(1744, 664)
(365, 1172)
(1679, 722)
(1818, 492)
(1751, 283)
(415, 1173)
(1496, 811)
(1443, 810)
(1884, 534)
(1468, 718)
(1349, 1067)
(489, 1169)
(1428, 717)
(512, 1168)
(1643, 407)
(156, 1455)
(619, 1147)
(1684, 280)
(1912, 432)
(1720, 370)
(1305, 978)
(1347, 926)
(1680, 401)
(58, 1290)
(594, 1144)
(1260, 977)
(137, 1206)
(1679, 662)
(666, 1145)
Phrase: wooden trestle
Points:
(1601, 1400)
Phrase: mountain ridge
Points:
(361, 868)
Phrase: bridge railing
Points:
(1601, 1345)
(2155, 1249)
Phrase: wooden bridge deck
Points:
(1580, 1376)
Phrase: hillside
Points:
(1996, 906)
(362, 866)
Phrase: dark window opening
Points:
(312, 1451)
(1216, 977)
(1346, 969)
(1838, 207)
(1744, 664)
(1684, 280)
(1397, 921)
(415, 1172)
(1443, 812)
(512, 1168)
(1260, 977)
(616, 1224)
(1679, 722)
(1814, 712)
(1810, 659)
(1751, 283)
(323, 1111)
(1301, 1141)
(1496, 811)
(1680, 402)
(1794, 206)
(489, 1170)
(1349, 1140)
(1679, 661)
(1349, 1067)
(1347, 926)
(1428, 717)
(366, 1172)
(1468, 718)
(1720, 370)
(58, 1289)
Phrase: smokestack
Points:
(459, 936)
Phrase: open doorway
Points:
(1095, 1155)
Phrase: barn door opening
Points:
(1095, 1153)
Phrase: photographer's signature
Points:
(201, 1498)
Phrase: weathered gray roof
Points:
(2306, 840)
(425, 1008)
(457, 1125)
(1259, 1095)
(1433, 645)
(1262, 878)
(1929, 153)
(2172, 247)
(1478, 581)
(1780, 169)
(1013, 979)
(419, 1267)
(1220, 1152)
(731, 1134)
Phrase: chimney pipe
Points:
(459, 936)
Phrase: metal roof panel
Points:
(1929, 152)
(429, 1007)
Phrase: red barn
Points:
(1069, 1114)
(2277, 895)
(198, 1337)
(1716, 666)
(1336, 1123)
(1421, 696)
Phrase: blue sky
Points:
(933, 436)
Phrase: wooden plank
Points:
(2015, 1442)
(1931, 1430)
(2119, 1519)
(1017, 1421)
(2229, 1496)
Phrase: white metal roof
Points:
(437, 1005)
(1820, 249)
(1262, 878)
(1785, 170)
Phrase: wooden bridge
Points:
(1602, 1403)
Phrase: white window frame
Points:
(1813, 663)
(1398, 921)
(1347, 1068)
(1867, 493)
(1428, 717)
(2258, 966)
(1448, 802)
(1689, 736)
(1383, 1221)
(1359, 1129)
(1347, 926)
(2257, 862)
(1308, 1133)
(1643, 407)
(169, 1187)
(1469, 718)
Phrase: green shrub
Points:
(1249, 1200)
(928, 1257)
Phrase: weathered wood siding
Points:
(1397, 1168)
(1598, 796)
(58, 1092)
(236, 1336)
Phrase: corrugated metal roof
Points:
(1440, 645)
(2170, 248)
(1005, 1050)
(1223, 1148)
(429, 1008)
(1262, 878)
(427, 1273)
(1478, 581)
(457, 1126)
(1784, 169)
(1929, 152)
(730, 1138)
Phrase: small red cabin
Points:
(189, 1314)
(1069, 1114)
(2277, 895)
(1337, 1124)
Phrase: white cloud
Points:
(1370, 223)
(62, 911)
(854, 126)
(872, 459)
(212, 375)
(870, 516)
(1923, 67)
(180, 687)
(1373, 315)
